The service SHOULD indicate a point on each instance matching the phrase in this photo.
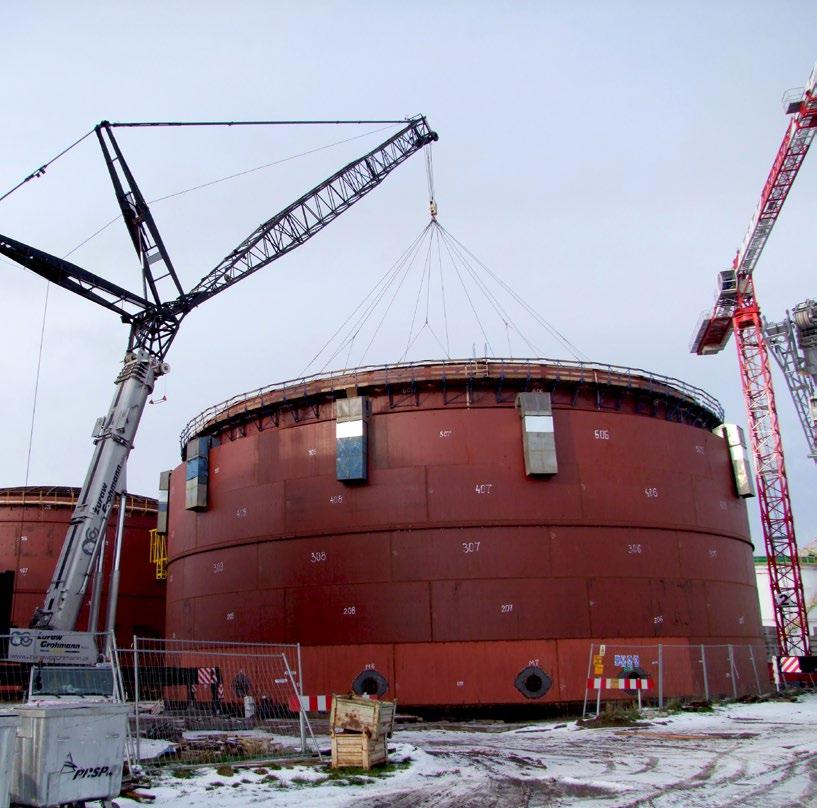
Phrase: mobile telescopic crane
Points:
(154, 322)
(737, 310)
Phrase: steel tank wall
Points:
(449, 571)
(33, 524)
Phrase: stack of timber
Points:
(359, 728)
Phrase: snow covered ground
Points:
(739, 755)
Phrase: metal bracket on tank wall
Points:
(498, 393)
(269, 411)
(414, 393)
(312, 404)
(500, 398)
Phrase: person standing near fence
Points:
(242, 687)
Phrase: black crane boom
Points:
(154, 323)
(308, 215)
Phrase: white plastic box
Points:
(69, 753)
(8, 743)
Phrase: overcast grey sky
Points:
(603, 158)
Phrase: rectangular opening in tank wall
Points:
(738, 453)
(351, 438)
(6, 595)
(197, 468)
(163, 501)
(538, 433)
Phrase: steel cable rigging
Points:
(476, 291)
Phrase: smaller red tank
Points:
(33, 524)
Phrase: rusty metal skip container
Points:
(459, 532)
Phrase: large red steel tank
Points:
(33, 524)
(449, 572)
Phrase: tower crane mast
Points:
(737, 310)
(154, 322)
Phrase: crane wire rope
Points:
(433, 242)
(37, 383)
(179, 124)
(470, 302)
(391, 303)
(574, 351)
(442, 296)
(41, 170)
(577, 353)
(377, 293)
(233, 176)
(426, 270)
(489, 296)
(406, 260)
(383, 280)
(407, 257)
(506, 318)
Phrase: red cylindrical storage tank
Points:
(33, 524)
(446, 572)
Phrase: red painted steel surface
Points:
(33, 523)
(449, 571)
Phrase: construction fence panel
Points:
(676, 672)
(212, 702)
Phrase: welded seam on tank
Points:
(430, 526)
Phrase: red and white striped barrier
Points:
(601, 683)
(207, 676)
(311, 704)
(790, 664)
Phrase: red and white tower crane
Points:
(737, 309)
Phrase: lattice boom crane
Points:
(154, 322)
(737, 310)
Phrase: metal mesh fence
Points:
(675, 672)
(212, 702)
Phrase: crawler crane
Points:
(154, 321)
